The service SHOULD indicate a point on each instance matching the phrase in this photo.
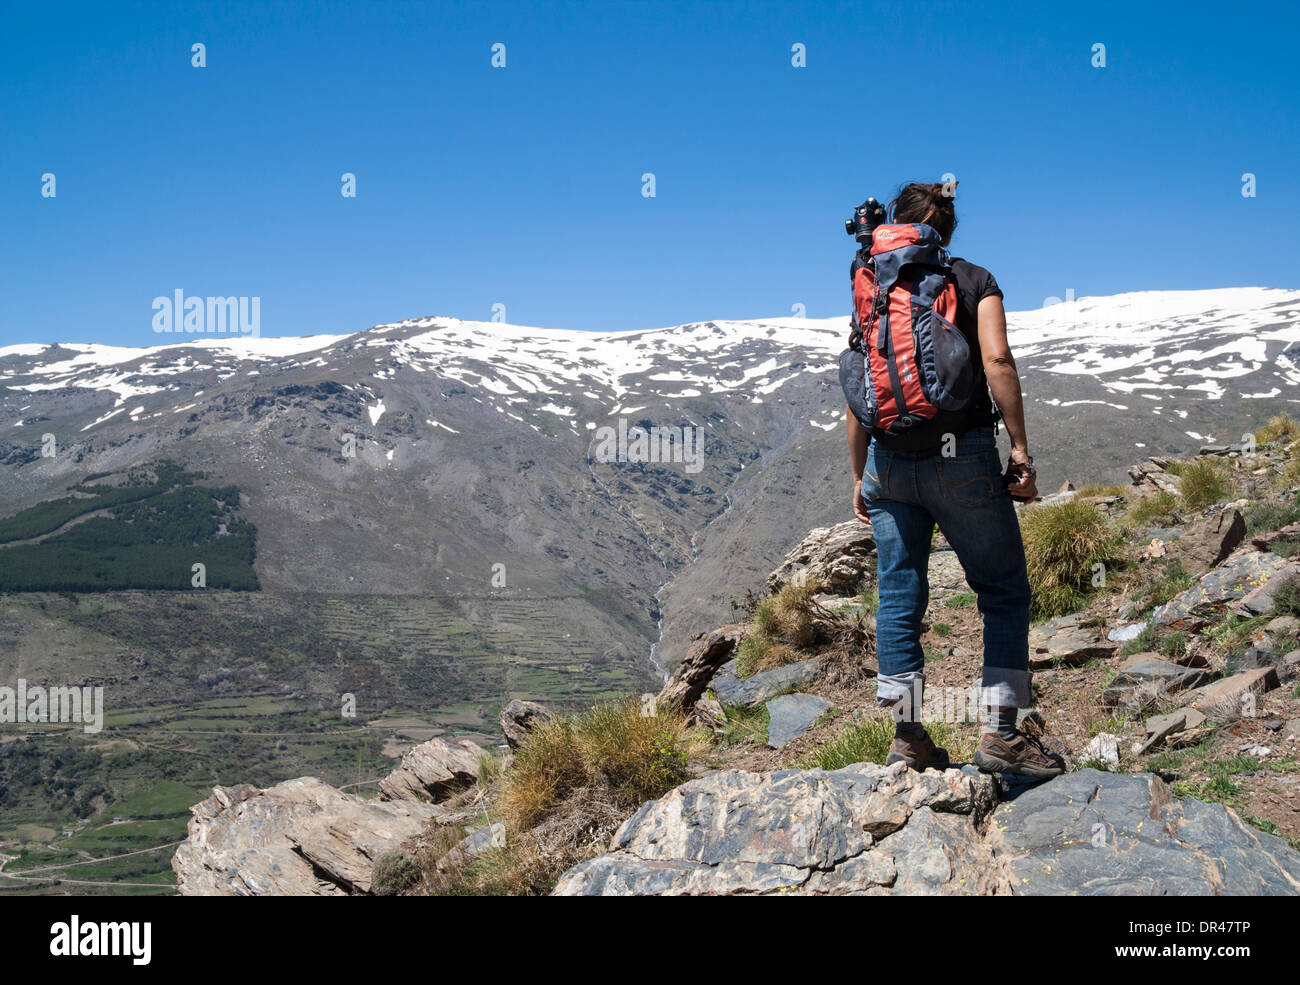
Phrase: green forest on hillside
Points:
(151, 532)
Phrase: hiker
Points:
(927, 376)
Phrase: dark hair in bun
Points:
(929, 204)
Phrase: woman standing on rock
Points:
(929, 344)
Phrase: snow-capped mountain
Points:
(463, 460)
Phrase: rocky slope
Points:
(888, 831)
(1171, 694)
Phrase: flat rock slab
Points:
(1093, 833)
(1233, 697)
(763, 686)
(1145, 676)
(1160, 727)
(1216, 592)
(791, 715)
(1065, 642)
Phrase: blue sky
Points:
(522, 185)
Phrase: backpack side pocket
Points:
(857, 387)
(945, 358)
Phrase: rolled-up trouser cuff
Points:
(1003, 688)
(891, 688)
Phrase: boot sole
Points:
(991, 764)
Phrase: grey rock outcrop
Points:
(764, 685)
(518, 718)
(298, 838)
(1066, 642)
(831, 559)
(1093, 833)
(1208, 542)
(1145, 677)
(863, 829)
(877, 830)
(1231, 582)
(702, 661)
(433, 771)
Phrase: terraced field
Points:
(212, 687)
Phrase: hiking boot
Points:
(1022, 756)
(918, 751)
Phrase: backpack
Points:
(907, 360)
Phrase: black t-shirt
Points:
(974, 284)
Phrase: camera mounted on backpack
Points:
(866, 217)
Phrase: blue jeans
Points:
(906, 493)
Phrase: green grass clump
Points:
(962, 600)
(1063, 545)
(1174, 645)
(1269, 515)
(1203, 482)
(1160, 509)
(783, 626)
(615, 748)
(745, 725)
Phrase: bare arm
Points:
(858, 457)
(1004, 382)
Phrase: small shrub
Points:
(961, 600)
(784, 624)
(788, 616)
(942, 629)
(1203, 483)
(1063, 543)
(1286, 601)
(393, 874)
(758, 651)
(1174, 645)
(870, 599)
